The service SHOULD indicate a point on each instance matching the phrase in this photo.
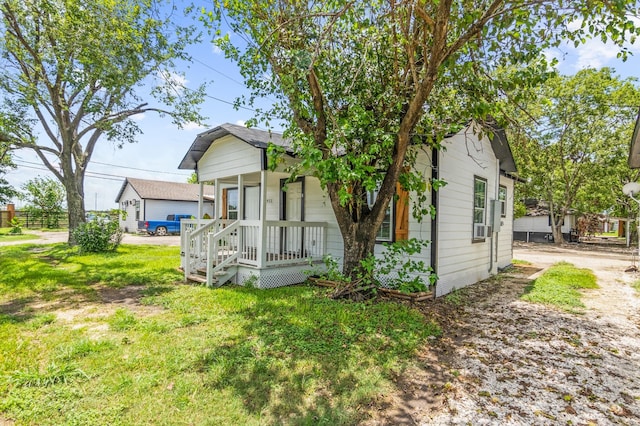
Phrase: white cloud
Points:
(215, 49)
(596, 54)
(241, 123)
(193, 126)
(138, 117)
(179, 82)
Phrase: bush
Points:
(98, 236)
(16, 226)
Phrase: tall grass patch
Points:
(560, 286)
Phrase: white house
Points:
(269, 236)
(144, 199)
(535, 226)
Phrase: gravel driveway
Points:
(503, 361)
(62, 237)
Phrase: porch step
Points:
(197, 278)
(219, 277)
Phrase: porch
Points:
(264, 254)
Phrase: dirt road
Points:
(503, 361)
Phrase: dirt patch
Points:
(83, 309)
(505, 361)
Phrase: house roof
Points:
(500, 146)
(262, 138)
(634, 150)
(254, 137)
(162, 190)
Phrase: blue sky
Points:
(162, 146)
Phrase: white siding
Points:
(541, 224)
(462, 261)
(505, 236)
(318, 209)
(229, 156)
(154, 209)
(127, 203)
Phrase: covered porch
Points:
(258, 235)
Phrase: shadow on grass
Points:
(310, 360)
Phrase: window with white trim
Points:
(502, 197)
(479, 208)
(385, 233)
(232, 203)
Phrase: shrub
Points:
(98, 236)
(16, 226)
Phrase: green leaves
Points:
(573, 145)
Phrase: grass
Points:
(636, 285)
(6, 236)
(188, 355)
(560, 286)
(520, 262)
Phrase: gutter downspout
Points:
(435, 174)
(494, 233)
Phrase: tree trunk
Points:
(556, 229)
(358, 244)
(75, 206)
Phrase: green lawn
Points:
(186, 354)
(559, 286)
(6, 236)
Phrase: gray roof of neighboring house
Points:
(254, 137)
(634, 150)
(161, 190)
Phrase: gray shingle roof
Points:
(254, 137)
(161, 190)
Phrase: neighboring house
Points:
(144, 199)
(535, 226)
(269, 231)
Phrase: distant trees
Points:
(573, 142)
(45, 199)
(79, 72)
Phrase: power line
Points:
(135, 168)
(216, 71)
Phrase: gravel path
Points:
(503, 361)
(62, 237)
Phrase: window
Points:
(232, 204)
(502, 197)
(479, 208)
(137, 209)
(385, 233)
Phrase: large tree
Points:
(359, 82)
(573, 143)
(79, 71)
(6, 191)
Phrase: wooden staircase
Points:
(220, 277)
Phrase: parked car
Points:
(163, 227)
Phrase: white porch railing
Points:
(220, 243)
(193, 242)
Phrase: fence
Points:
(29, 220)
